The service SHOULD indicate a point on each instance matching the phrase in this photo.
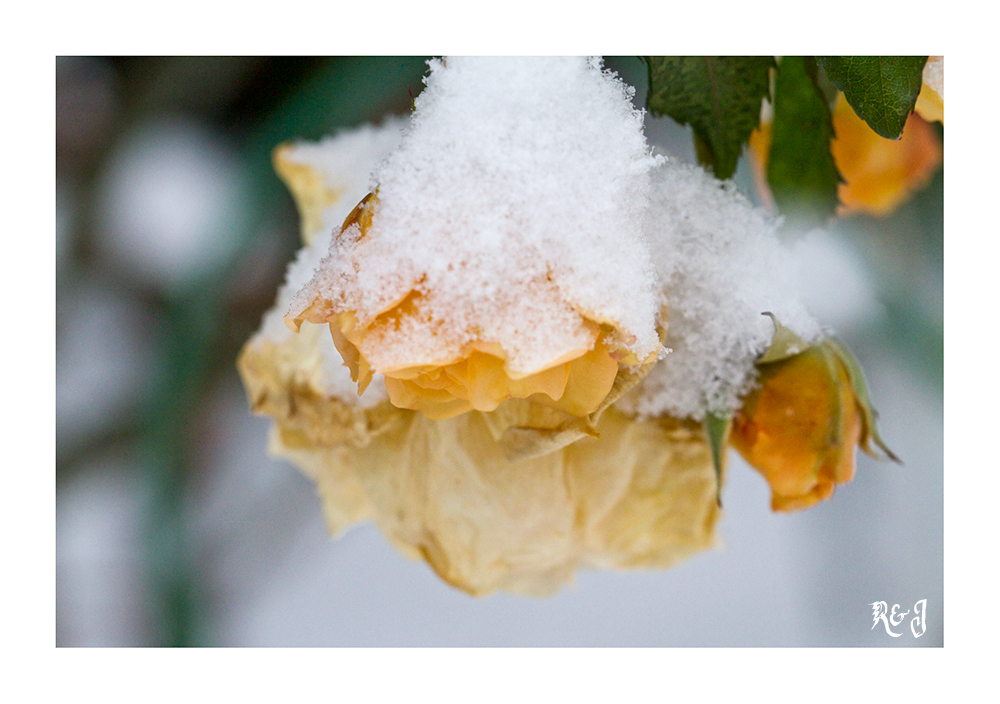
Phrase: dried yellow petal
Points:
(345, 501)
(309, 191)
(283, 380)
(641, 495)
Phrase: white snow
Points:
(511, 210)
(721, 266)
(514, 205)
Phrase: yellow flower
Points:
(491, 332)
(878, 174)
(801, 426)
(628, 494)
(454, 375)
(516, 499)
(491, 262)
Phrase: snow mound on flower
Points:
(514, 205)
(721, 266)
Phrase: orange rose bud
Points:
(800, 428)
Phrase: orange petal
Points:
(800, 428)
(880, 174)
(589, 381)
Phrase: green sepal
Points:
(717, 428)
(869, 416)
(784, 344)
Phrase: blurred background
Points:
(175, 528)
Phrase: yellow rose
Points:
(463, 375)
(491, 262)
(878, 174)
(516, 499)
(491, 351)
(629, 494)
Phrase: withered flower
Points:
(506, 355)
(485, 441)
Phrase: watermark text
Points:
(893, 618)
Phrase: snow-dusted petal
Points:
(502, 253)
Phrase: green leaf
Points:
(719, 96)
(784, 344)
(881, 89)
(717, 427)
(800, 168)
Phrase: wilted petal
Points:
(641, 495)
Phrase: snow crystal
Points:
(721, 266)
(514, 205)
